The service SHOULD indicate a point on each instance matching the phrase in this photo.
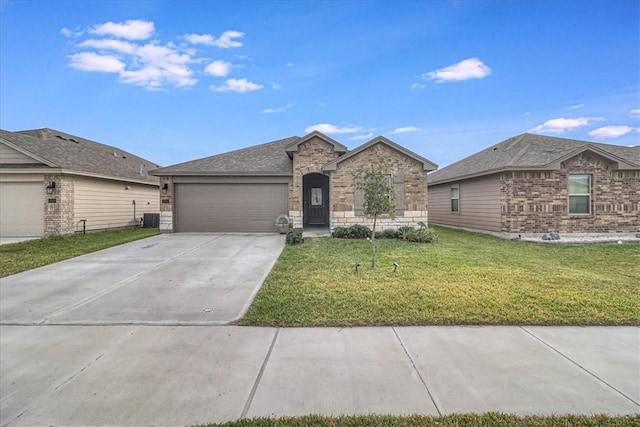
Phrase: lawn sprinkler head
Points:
(395, 266)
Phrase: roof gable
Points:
(79, 155)
(529, 151)
(426, 164)
(293, 147)
(264, 159)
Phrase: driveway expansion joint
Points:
(570, 360)
(424, 382)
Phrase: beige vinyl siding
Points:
(108, 204)
(10, 156)
(479, 204)
(21, 205)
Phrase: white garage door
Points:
(21, 209)
(229, 207)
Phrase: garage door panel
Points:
(229, 207)
(21, 209)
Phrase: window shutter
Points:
(359, 202)
(398, 185)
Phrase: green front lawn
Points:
(465, 278)
(458, 420)
(17, 257)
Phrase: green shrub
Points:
(420, 235)
(404, 231)
(390, 233)
(356, 231)
(294, 236)
(339, 232)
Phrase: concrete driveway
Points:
(170, 279)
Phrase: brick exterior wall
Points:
(538, 201)
(309, 158)
(58, 206)
(342, 188)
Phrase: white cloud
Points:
(471, 68)
(278, 109)
(225, 41)
(329, 128)
(609, 132)
(237, 85)
(89, 61)
(405, 129)
(130, 30)
(110, 44)
(561, 125)
(361, 137)
(70, 33)
(218, 68)
(418, 86)
(290, 64)
(120, 48)
(575, 107)
(635, 112)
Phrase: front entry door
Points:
(316, 203)
(316, 206)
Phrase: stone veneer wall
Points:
(309, 158)
(166, 205)
(342, 189)
(538, 201)
(58, 206)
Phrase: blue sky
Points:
(176, 81)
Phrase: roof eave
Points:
(293, 147)
(426, 164)
(29, 153)
(210, 173)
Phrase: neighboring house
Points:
(310, 179)
(52, 183)
(537, 184)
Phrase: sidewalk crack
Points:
(252, 394)
(424, 382)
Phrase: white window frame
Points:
(587, 194)
(457, 198)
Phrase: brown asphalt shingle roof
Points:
(264, 159)
(75, 154)
(526, 151)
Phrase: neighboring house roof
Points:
(265, 159)
(71, 153)
(529, 151)
(426, 164)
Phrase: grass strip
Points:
(30, 254)
(457, 420)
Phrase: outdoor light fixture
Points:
(51, 188)
(165, 188)
(395, 266)
(356, 265)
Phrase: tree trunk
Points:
(373, 243)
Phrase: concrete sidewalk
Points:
(178, 375)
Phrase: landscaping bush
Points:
(356, 231)
(403, 231)
(294, 236)
(420, 235)
(389, 233)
